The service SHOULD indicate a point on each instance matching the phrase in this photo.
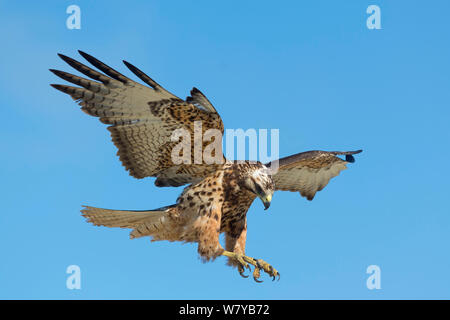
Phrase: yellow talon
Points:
(259, 265)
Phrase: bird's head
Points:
(259, 182)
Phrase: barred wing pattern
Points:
(309, 172)
(141, 118)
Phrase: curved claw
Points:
(243, 275)
(241, 268)
(259, 264)
(268, 269)
(257, 274)
(241, 272)
(272, 273)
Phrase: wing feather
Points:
(141, 119)
(309, 172)
(199, 99)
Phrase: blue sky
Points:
(311, 69)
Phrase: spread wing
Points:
(142, 119)
(309, 172)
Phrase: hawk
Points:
(141, 120)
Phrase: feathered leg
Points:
(235, 251)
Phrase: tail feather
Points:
(143, 222)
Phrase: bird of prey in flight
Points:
(141, 120)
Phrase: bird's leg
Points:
(259, 265)
(235, 242)
(239, 262)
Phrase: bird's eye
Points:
(258, 188)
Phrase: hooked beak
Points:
(266, 199)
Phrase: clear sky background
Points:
(311, 69)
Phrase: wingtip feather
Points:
(349, 156)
